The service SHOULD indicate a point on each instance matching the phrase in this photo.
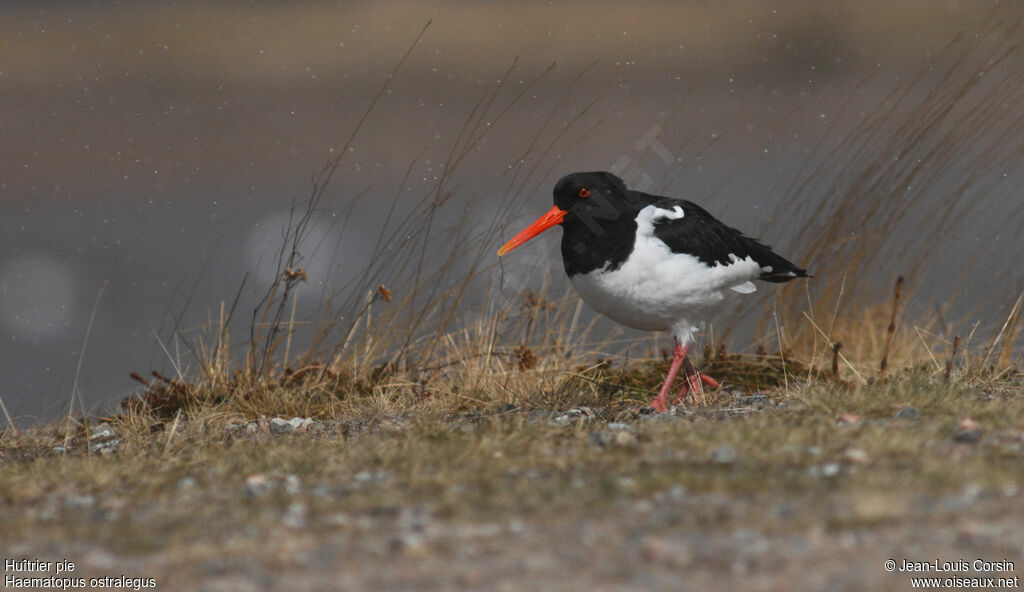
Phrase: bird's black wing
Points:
(700, 234)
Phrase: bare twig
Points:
(1006, 331)
(78, 367)
(952, 356)
(831, 344)
(10, 422)
(891, 329)
(170, 434)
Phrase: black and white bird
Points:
(653, 263)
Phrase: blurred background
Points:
(150, 152)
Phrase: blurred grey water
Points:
(151, 153)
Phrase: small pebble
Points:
(858, 456)
(281, 426)
(338, 519)
(609, 437)
(624, 439)
(577, 414)
(672, 553)
(257, 485)
(79, 501)
(643, 506)
(825, 470)
(757, 400)
(301, 424)
(410, 544)
(849, 419)
(677, 411)
(295, 515)
(724, 454)
(910, 412)
(104, 430)
(676, 493)
(967, 431)
(106, 447)
(372, 476)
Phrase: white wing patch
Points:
(745, 288)
(673, 214)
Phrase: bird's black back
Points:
(700, 234)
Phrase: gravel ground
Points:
(298, 533)
(667, 542)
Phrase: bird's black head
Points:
(587, 195)
(588, 206)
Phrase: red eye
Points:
(584, 192)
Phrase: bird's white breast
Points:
(657, 290)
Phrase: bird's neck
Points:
(595, 243)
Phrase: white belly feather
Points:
(658, 290)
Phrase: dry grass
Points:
(173, 482)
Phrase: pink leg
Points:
(693, 384)
(660, 403)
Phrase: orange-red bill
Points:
(549, 219)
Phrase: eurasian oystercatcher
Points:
(652, 263)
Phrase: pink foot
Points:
(659, 405)
(685, 396)
(694, 384)
(681, 395)
(711, 382)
